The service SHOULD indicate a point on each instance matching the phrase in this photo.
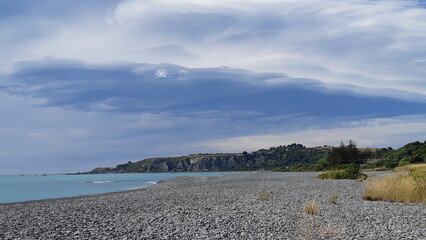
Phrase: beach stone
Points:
(220, 207)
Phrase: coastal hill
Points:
(275, 157)
(295, 157)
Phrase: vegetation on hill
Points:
(414, 152)
(293, 157)
(338, 158)
(284, 157)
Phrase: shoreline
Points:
(152, 184)
(66, 186)
(217, 207)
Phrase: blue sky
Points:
(97, 83)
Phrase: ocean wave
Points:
(153, 182)
(134, 188)
(108, 181)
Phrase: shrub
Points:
(280, 169)
(335, 174)
(350, 172)
(322, 164)
(391, 164)
(403, 163)
(382, 163)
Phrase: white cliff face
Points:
(194, 160)
(194, 163)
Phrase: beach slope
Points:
(220, 207)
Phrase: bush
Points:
(280, 169)
(349, 172)
(322, 164)
(391, 164)
(403, 163)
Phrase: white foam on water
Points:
(108, 181)
(134, 188)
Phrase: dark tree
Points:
(345, 154)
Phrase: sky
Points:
(96, 83)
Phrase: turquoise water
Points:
(30, 187)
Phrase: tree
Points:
(344, 154)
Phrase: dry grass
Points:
(411, 167)
(263, 196)
(311, 208)
(405, 187)
(333, 198)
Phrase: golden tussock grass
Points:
(402, 187)
(310, 208)
(333, 198)
(263, 196)
(407, 168)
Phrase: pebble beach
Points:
(219, 207)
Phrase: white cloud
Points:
(161, 73)
(182, 72)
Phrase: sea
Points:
(18, 188)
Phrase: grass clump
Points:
(310, 208)
(263, 196)
(406, 187)
(333, 198)
(350, 172)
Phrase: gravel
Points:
(221, 207)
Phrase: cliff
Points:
(282, 156)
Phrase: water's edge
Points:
(28, 188)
